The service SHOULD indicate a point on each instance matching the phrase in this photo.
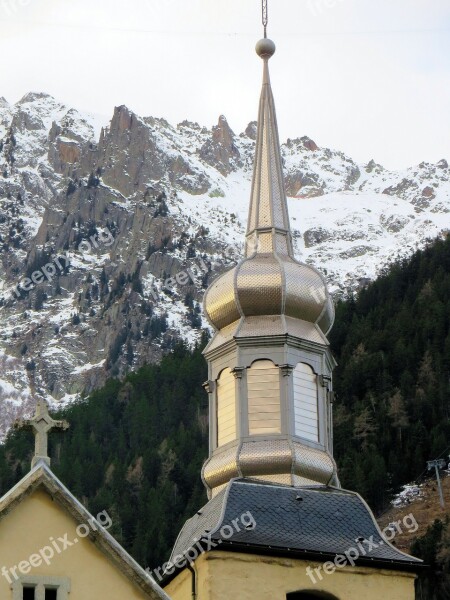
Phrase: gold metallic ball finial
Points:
(265, 48)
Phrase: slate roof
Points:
(309, 522)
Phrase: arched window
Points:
(263, 381)
(226, 408)
(306, 412)
(310, 595)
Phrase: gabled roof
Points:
(42, 477)
(315, 523)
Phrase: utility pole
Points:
(437, 464)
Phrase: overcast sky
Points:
(369, 77)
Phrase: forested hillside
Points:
(136, 447)
(434, 549)
(392, 344)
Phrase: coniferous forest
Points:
(392, 345)
(135, 448)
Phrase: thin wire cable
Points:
(166, 32)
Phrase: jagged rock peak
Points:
(309, 143)
(373, 166)
(159, 122)
(222, 131)
(251, 130)
(122, 117)
(33, 96)
(304, 141)
(221, 151)
(425, 165)
(189, 125)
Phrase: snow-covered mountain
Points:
(109, 236)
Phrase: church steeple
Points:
(269, 361)
(268, 213)
(271, 433)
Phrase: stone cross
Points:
(41, 424)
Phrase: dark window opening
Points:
(310, 596)
(51, 594)
(28, 593)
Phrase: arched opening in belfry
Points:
(310, 595)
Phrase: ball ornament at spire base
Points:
(265, 48)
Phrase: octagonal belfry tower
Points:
(269, 361)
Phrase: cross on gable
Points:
(41, 424)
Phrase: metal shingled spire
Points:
(268, 227)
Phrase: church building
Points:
(52, 548)
(278, 526)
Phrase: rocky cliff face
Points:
(108, 237)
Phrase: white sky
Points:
(369, 77)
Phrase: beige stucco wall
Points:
(229, 576)
(181, 587)
(27, 529)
